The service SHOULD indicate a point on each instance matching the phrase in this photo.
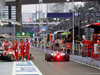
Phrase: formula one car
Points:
(10, 55)
(57, 55)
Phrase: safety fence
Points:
(81, 50)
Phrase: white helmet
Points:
(83, 36)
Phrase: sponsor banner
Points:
(24, 34)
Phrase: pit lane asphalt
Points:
(60, 68)
(6, 67)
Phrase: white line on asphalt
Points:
(86, 64)
(13, 69)
(18, 68)
(40, 73)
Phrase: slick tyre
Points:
(1, 57)
(48, 57)
(10, 57)
(67, 57)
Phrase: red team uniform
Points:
(22, 48)
(13, 46)
(16, 50)
(27, 49)
(6, 45)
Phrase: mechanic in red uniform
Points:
(83, 46)
(22, 47)
(83, 41)
(16, 49)
(6, 45)
(13, 45)
(27, 48)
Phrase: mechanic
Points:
(61, 43)
(13, 45)
(16, 49)
(58, 40)
(27, 48)
(22, 48)
(84, 39)
(6, 44)
(53, 43)
(68, 45)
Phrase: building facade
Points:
(2, 4)
(6, 12)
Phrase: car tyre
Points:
(10, 57)
(67, 57)
(48, 57)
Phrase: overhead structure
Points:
(18, 4)
(12, 2)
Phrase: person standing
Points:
(13, 45)
(61, 43)
(58, 41)
(22, 48)
(68, 46)
(84, 39)
(16, 49)
(27, 48)
(6, 44)
(83, 45)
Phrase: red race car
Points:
(10, 55)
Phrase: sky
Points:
(32, 7)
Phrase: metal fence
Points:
(80, 49)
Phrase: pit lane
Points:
(6, 67)
(60, 68)
(51, 68)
